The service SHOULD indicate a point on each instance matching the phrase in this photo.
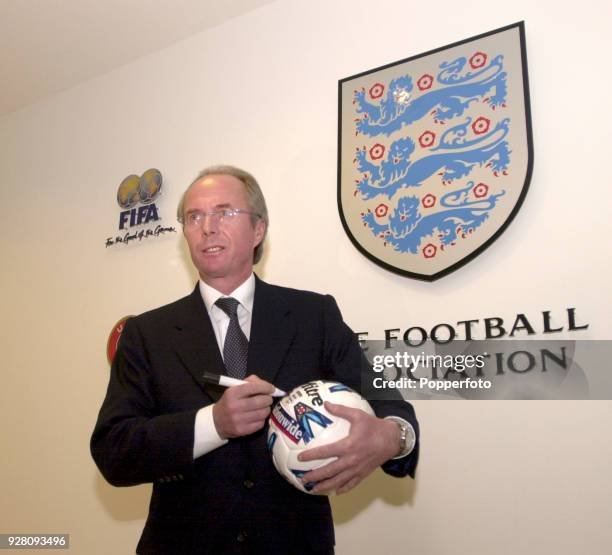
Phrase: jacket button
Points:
(241, 537)
(248, 484)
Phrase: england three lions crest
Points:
(435, 153)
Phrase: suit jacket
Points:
(231, 497)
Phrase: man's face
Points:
(221, 251)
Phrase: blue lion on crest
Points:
(455, 155)
(397, 110)
(407, 227)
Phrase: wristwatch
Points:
(407, 436)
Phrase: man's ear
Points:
(260, 231)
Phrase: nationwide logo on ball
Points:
(299, 422)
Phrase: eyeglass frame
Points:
(217, 216)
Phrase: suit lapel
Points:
(195, 343)
(272, 330)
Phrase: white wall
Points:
(261, 92)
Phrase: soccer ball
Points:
(299, 422)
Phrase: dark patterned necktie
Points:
(236, 344)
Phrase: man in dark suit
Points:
(215, 489)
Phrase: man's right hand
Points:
(243, 409)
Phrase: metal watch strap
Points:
(407, 436)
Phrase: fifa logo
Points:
(133, 191)
(139, 190)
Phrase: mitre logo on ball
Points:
(300, 421)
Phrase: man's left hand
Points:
(371, 442)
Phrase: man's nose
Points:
(209, 224)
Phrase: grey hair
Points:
(255, 199)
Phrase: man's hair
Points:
(255, 199)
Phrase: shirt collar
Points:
(244, 294)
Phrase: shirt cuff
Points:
(205, 436)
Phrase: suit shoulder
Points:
(168, 312)
(307, 304)
(296, 295)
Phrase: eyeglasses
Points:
(196, 219)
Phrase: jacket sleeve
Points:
(132, 442)
(346, 361)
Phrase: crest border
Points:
(468, 258)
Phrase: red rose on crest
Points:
(425, 82)
(478, 60)
(481, 190)
(481, 125)
(376, 90)
(429, 250)
(427, 139)
(377, 151)
(428, 200)
(381, 210)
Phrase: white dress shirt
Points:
(205, 437)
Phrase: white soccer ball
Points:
(299, 422)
